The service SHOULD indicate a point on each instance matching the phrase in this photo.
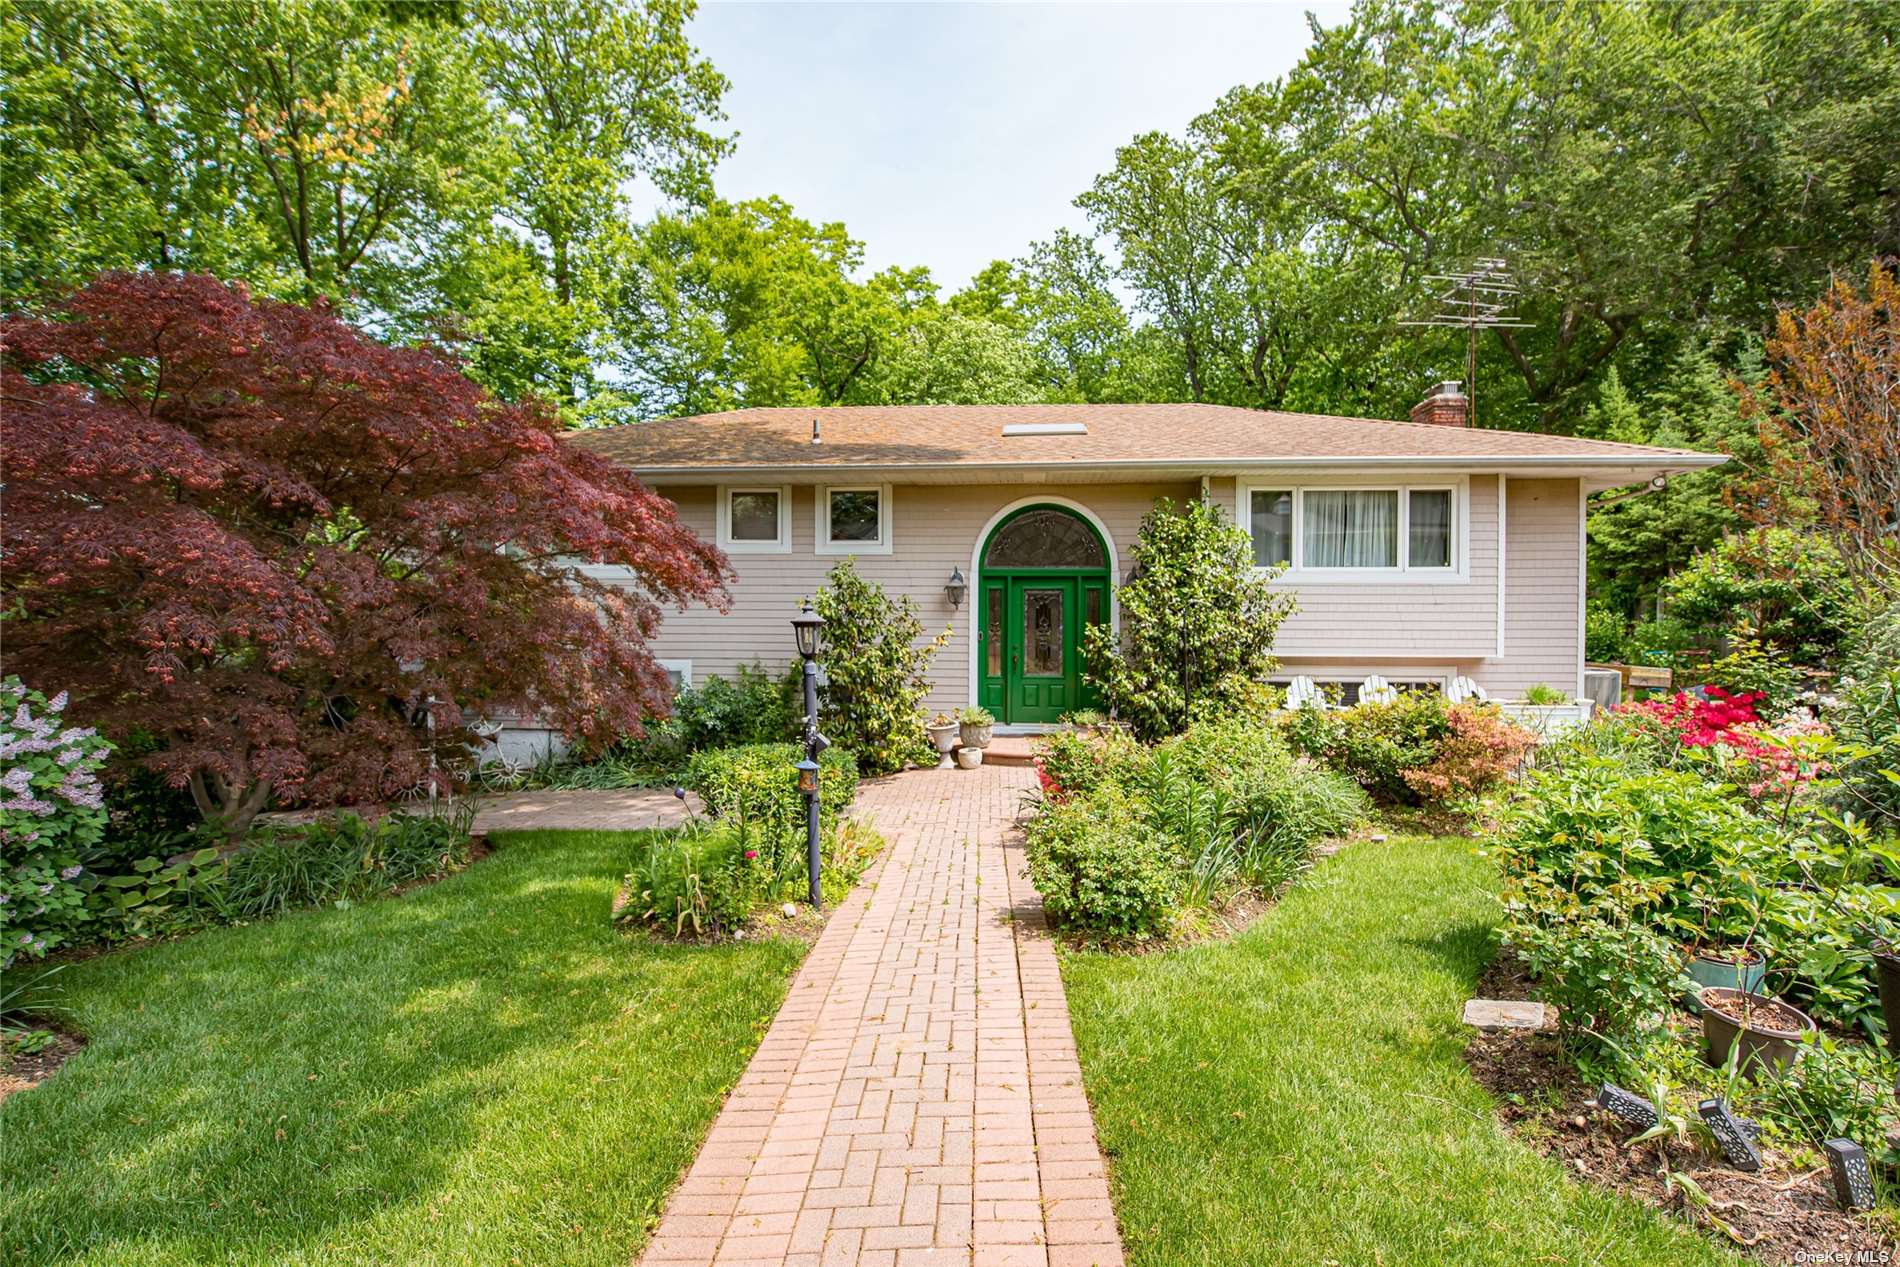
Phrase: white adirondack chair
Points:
(1303, 692)
(1376, 690)
(1463, 689)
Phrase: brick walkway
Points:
(917, 1100)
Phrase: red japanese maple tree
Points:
(277, 545)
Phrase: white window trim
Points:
(682, 667)
(1458, 573)
(783, 544)
(822, 538)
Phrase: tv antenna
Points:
(1483, 297)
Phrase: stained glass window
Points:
(1044, 539)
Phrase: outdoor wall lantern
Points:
(1731, 1134)
(1853, 1182)
(806, 628)
(956, 588)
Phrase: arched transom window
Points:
(1044, 539)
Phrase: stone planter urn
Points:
(975, 727)
(943, 737)
(969, 758)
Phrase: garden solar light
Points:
(1853, 1182)
(1730, 1134)
(1629, 1106)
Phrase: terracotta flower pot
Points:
(1766, 1030)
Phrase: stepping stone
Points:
(1492, 1015)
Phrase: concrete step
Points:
(1010, 750)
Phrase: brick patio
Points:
(917, 1099)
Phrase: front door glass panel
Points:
(1042, 633)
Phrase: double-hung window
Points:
(1397, 530)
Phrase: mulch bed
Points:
(21, 1071)
(1783, 1214)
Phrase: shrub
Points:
(1867, 721)
(755, 789)
(1605, 633)
(1482, 750)
(1281, 805)
(1099, 869)
(338, 859)
(52, 820)
(1197, 622)
(709, 879)
(1375, 744)
(1069, 763)
(700, 879)
(878, 671)
(1596, 958)
(753, 707)
(1835, 1090)
(1789, 590)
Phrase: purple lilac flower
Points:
(58, 703)
(28, 805)
(19, 779)
(71, 873)
(70, 755)
(74, 734)
(45, 889)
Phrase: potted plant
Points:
(943, 737)
(969, 758)
(1730, 967)
(1765, 1030)
(975, 724)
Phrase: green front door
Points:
(1043, 579)
(1045, 669)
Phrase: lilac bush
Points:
(52, 816)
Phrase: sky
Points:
(950, 135)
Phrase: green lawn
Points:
(482, 1071)
(1297, 1095)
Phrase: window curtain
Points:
(1351, 528)
(1430, 534)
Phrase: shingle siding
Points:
(1397, 630)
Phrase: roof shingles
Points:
(1171, 434)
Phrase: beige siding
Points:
(935, 529)
(1543, 623)
(1441, 631)
(1400, 631)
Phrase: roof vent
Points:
(816, 436)
(1046, 429)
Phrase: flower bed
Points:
(1136, 843)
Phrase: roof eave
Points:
(1660, 461)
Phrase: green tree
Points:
(598, 95)
(1197, 622)
(877, 664)
(1636, 543)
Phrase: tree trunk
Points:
(229, 807)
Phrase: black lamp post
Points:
(806, 627)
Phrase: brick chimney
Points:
(1447, 406)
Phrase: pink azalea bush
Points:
(1764, 759)
(52, 817)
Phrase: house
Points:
(1420, 551)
